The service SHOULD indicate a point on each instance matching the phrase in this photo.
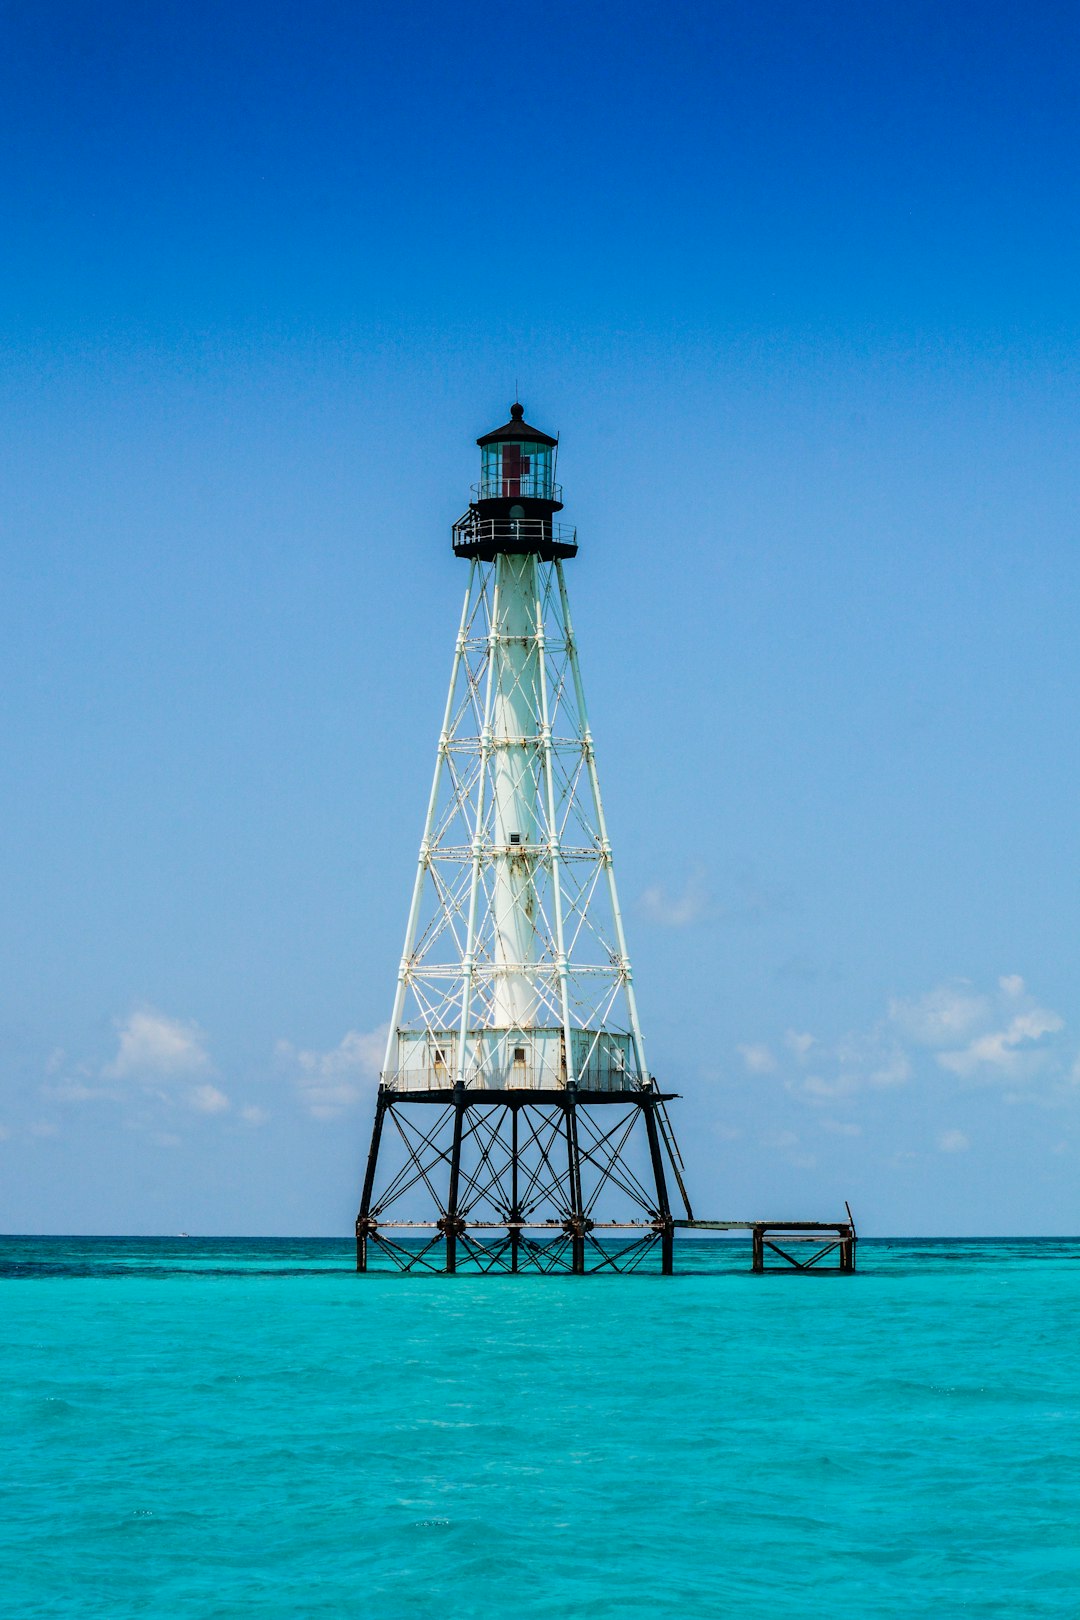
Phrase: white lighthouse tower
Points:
(517, 1124)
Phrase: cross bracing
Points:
(521, 1180)
(515, 970)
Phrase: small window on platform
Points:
(519, 1054)
(438, 1054)
(515, 838)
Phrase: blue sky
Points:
(797, 285)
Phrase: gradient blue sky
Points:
(798, 286)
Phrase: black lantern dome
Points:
(517, 496)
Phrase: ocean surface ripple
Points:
(243, 1427)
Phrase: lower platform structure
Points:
(514, 1181)
(530, 1180)
(815, 1242)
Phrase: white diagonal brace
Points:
(425, 842)
(601, 824)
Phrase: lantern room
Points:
(518, 466)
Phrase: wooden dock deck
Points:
(779, 1237)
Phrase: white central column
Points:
(515, 790)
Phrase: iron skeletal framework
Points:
(516, 1119)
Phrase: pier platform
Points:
(814, 1242)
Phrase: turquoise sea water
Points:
(246, 1428)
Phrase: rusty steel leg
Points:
(666, 1225)
(573, 1160)
(758, 1263)
(452, 1220)
(515, 1212)
(363, 1219)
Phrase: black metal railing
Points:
(497, 486)
(512, 534)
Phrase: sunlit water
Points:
(219, 1428)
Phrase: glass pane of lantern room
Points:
(539, 477)
(489, 471)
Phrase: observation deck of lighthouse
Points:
(514, 535)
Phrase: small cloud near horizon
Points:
(981, 1037)
(152, 1045)
(997, 1036)
(330, 1083)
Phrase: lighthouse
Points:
(517, 1126)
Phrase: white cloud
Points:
(758, 1059)
(252, 1115)
(74, 1090)
(876, 1061)
(873, 1062)
(1005, 1054)
(678, 910)
(943, 1016)
(1001, 1036)
(43, 1127)
(155, 1046)
(821, 1089)
(799, 1044)
(5, 1134)
(977, 1037)
(782, 1140)
(331, 1082)
(893, 1070)
(207, 1099)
